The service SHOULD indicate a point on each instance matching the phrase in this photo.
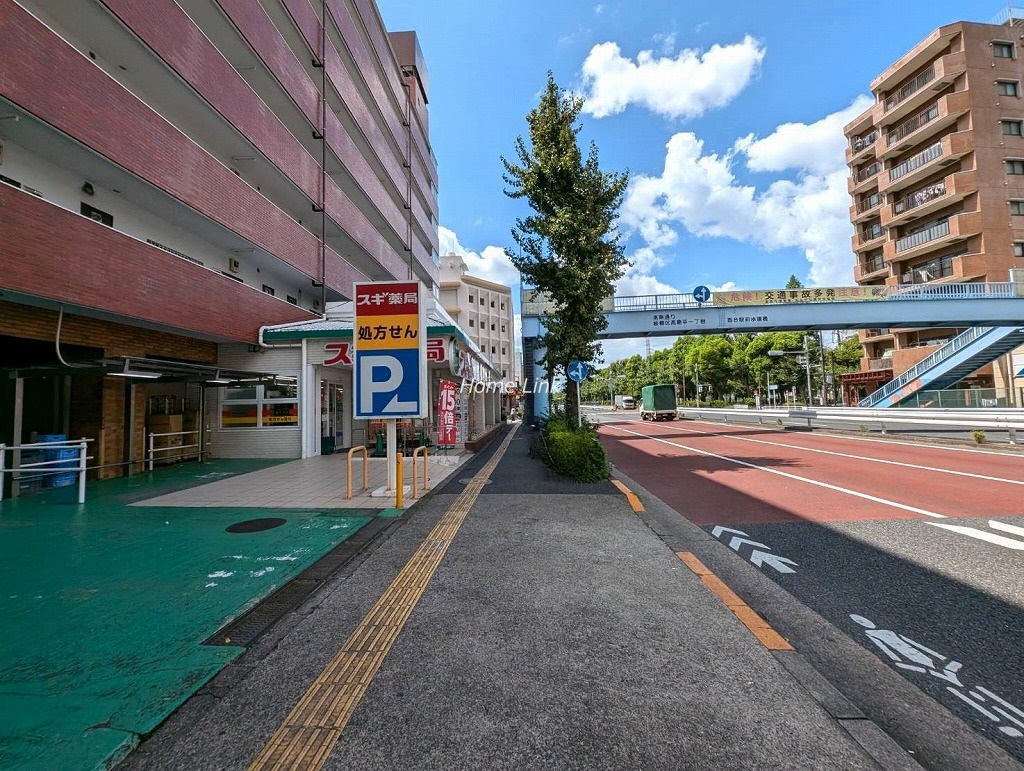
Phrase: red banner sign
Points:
(446, 436)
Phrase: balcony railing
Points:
(916, 162)
(868, 203)
(859, 143)
(919, 197)
(912, 125)
(871, 233)
(923, 237)
(872, 264)
(876, 364)
(868, 171)
(910, 88)
(880, 332)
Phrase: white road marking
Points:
(970, 450)
(866, 458)
(995, 524)
(816, 483)
(981, 535)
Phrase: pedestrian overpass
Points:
(993, 311)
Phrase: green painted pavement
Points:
(105, 605)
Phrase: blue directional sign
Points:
(577, 371)
(702, 294)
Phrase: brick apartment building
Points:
(937, 181)
(173, 176)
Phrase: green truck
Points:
(658, 402)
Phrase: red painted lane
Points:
(709, 489)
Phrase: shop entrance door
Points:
(331, 426)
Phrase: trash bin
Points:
(326, 445)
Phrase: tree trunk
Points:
(571, 413)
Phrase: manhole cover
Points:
(467, 480)
(255, 525)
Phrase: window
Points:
(502, 327)
(503, 306)
(1015, 167)
(493, 350)
(503, 351)
(1007, 88)
(1017, 208)
(492, 303)
(247, 405)
(471, 323)
(492, 327)
(1002, 50)
(1018, 248)
(293, 300)
(471, 299)
(1011, 127)
(97, 214)
(481, 300)
(268, 289)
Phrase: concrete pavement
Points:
(554, 629)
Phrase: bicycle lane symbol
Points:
(914, 657)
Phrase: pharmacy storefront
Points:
(307, 409)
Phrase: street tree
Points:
(569, 247)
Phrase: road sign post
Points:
(390, 359)
(577, 372)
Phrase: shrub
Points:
(979, 437)
(573, 451)
(577, 454)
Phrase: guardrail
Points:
(965, 420)
(46, 468)
(169, 450)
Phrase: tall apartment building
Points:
(937, 181)
(483, 309)
(176, 175)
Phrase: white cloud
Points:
(684, 86)
(699, 191)
(491, 264)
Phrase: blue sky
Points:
(728, 117)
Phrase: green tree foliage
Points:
(568, 247)
(794, 282)
(846, 356)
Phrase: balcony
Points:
(861, 146)
(865, 207)
(868, 237)
(865, 178)
(874, 334)
(928, 122)
(916, 93)
(871, 269)
(929, 198)
(948, 150)
(959, 227)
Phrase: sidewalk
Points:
(556, 631)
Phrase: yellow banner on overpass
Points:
(813, 295)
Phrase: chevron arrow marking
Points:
(737, 542)
(781, 564)
(719, 529)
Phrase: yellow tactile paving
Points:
(305, 739)
(760, 628)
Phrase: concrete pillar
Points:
(538, 385)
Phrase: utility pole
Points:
(696, 380)
(807, 362)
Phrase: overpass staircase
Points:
(954, 361)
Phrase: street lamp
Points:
(807, 363)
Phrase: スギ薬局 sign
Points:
(390, 364)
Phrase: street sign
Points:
(702, 294)
(577, 371)
(390, 362)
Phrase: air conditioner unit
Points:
(233, 265)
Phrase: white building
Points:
(483, 309)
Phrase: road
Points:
(913, 551)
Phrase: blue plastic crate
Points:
(60, 480)
(47, 438)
